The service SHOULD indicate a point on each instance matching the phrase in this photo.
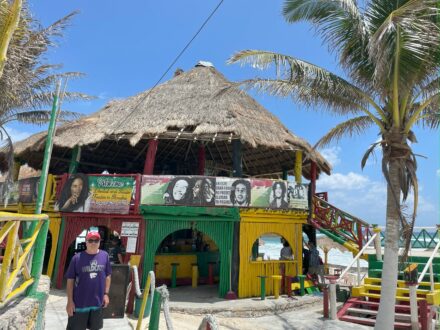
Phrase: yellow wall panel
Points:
(184, 270)
(253, 225)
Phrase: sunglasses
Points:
(93, 241)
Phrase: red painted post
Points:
(313, 172)
(289, 286)
(325, 300)
(283, 278)
(423, 314)
(211, 273)
(151, 156)
(201, 158)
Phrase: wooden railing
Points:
(343, 225)
(15, 271)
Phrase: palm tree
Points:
(27, 83)
(390, 53)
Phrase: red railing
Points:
(340, 223)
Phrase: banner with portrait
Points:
(222, 191)
(96, 194)
(28, 190)
(9, 196)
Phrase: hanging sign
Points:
(130, 229)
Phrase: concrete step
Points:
(375, 305)
(400, 283)
(372, 322)
(398, 298)
(398, 316)
(399, 290)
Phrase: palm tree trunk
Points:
(385, 318)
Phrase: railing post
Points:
(413, 306)
(358, 267)
(332, 295)
(325, 300)
(377, 244)
(431, 277)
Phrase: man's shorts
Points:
(85, 320)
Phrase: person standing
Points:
(117, 251)
(88, 285)
(315, 266)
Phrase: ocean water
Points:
(272, 247)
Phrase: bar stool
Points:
(195, 275)
(302, 290)
(276, 285)
(174, 274)
(211, 272)
(263, 286)
(155, 268)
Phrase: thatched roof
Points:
(193, 107)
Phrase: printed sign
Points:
(96, 194)
(130, 229)
(28, 190)
(10, 196)
(220, 191)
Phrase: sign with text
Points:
(96, 194)
(28, 190)
(130, 229)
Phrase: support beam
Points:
(237, 170)
(151, 157)
(298, 166)
(201, 159)
(313, 175)
(74, 162)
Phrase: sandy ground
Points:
(308, 317)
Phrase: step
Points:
(357, 301)
(377, 273)
(400, 283)
(398, 290)
(398, 298)
(372, 322)
(398, 316)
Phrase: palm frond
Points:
(406, 28)
(368, 153)
(351, 127)
(303, 75)
(40, 117)
(343, 27)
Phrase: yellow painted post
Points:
(276, 285)
(144, 303)
(195, 275)
(298, 166)
(7, 259)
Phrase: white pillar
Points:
(332, 293)
(377, 244)
(358, 263)
(431, 277)
(413, 306)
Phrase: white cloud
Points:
(17, 135)
(332, 155)
(366, 199)
(339, 181)
(438, 173)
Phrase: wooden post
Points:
(413, 305)
(377, 244)
(151, 156)
(325, 300)
(237, 169)
(298, 166)
(201, 159)
(195, 275)
(313, 175)
(74, 161)
(155, 311)
(333, 306)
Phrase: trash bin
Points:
(138, 304)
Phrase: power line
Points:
(172, 63)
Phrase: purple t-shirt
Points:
(89, 272)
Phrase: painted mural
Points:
(221, 191)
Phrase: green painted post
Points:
(58, 253)
(74, 161)
(174, 274)
(155, 311)
(302, 290)
(40, 244)
(263, 286)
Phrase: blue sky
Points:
(125, 46)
